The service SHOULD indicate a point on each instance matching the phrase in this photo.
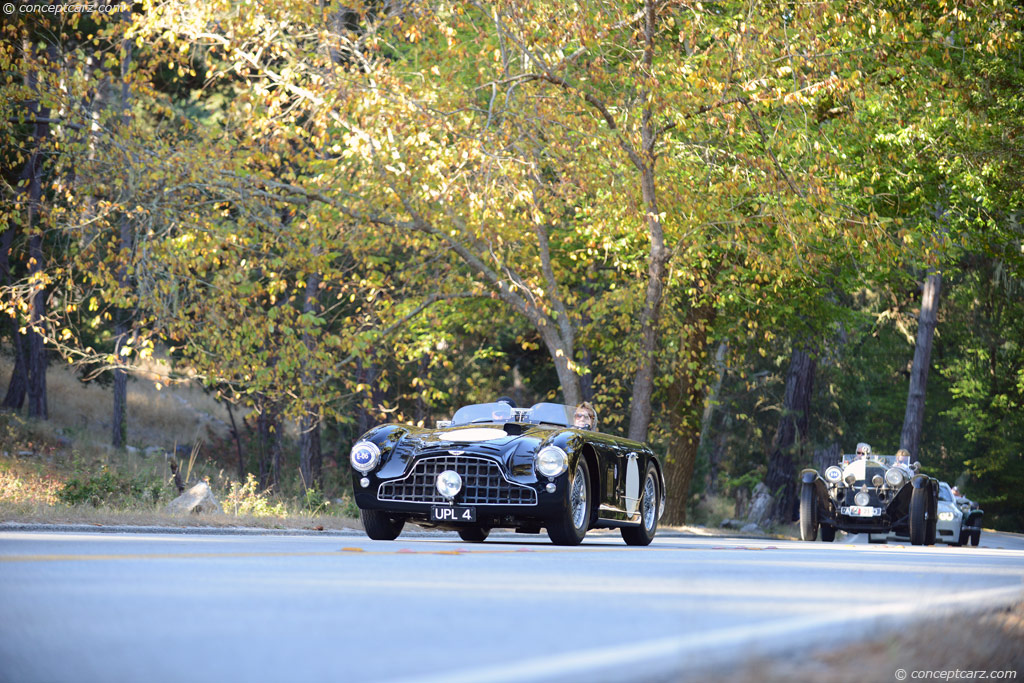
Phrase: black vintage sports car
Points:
(495, 466)
(873, 494)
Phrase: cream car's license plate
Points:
(452, 513)
(860, 511)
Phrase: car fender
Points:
(661, 483)
(920, 481)
(826, 506)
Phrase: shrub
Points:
(246, 499)
(314, 502)
(110, 489)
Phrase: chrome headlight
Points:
(551, 461)
(862, 499)
(448, 483)
(876, 481)
(364, 456)
(850, 479)
(894, 478)
(834, 474)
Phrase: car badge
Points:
(456, 452)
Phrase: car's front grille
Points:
(483, 483)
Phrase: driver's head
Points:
(902, 455)
(863, 450)
(585, 416)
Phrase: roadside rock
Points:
(731, 523)
(751, 529)
(196, 500)
(761, 505)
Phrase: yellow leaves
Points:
(414, 34)
(795, 98)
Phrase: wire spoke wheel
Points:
(578, 501)
(643, 533)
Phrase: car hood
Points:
(863, 470)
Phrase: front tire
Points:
(474, 534)
(919, 516)
(644, 533)
(808, 513)
(379, 526)
(571, 525)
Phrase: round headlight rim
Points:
(894, 478)
(367, 467)
(563, 459)
(834, 474)
(446, 489)
(862, 498)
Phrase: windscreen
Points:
(481, 413)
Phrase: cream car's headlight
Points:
(894, 478)
(364, 456)
(946, 516)
(551, 461)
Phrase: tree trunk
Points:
(686, 398)
(713, 451)
(119, 418)
(791, 434)
(310, 454)
(270, 444)
(913, 418)
(18, 386)
(644, 161)
(684, 403)
(35, 359)
(238, 441)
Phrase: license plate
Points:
(858, 511)
(452, 513)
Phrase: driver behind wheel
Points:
(585, 416)
(863, 450)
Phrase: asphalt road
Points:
(154, 607)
